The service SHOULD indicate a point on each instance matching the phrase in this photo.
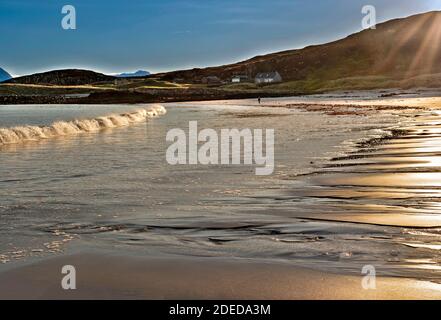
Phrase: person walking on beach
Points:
(259, 100)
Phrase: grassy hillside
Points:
(397, 50)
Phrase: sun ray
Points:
(425, 56)
(405, 38)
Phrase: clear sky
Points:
(160, 35)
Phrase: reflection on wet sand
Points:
(393, 181)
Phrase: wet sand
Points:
(122, 277)
(390, 180)
(393, 180)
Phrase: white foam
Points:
(65, 128)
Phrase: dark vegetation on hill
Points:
(67, 77)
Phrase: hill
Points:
(399, 49)
(67, 77)
(139, 73)
(4, 75)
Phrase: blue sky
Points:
(160, 35)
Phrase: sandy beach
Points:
(123, 277)
(355, 184)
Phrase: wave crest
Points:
(64, 128)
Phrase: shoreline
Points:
(112, 97)
(210, 94)
(159, 278)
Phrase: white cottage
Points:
(239, 78)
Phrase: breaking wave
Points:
(65, 128)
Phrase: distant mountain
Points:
(139, 73)
(397, 49)
(4, 75)
(65, 77)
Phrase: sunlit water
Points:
(336, 201)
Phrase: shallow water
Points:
(113, 189)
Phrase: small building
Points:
(268, 77)
(211, 80)
(239, 78)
